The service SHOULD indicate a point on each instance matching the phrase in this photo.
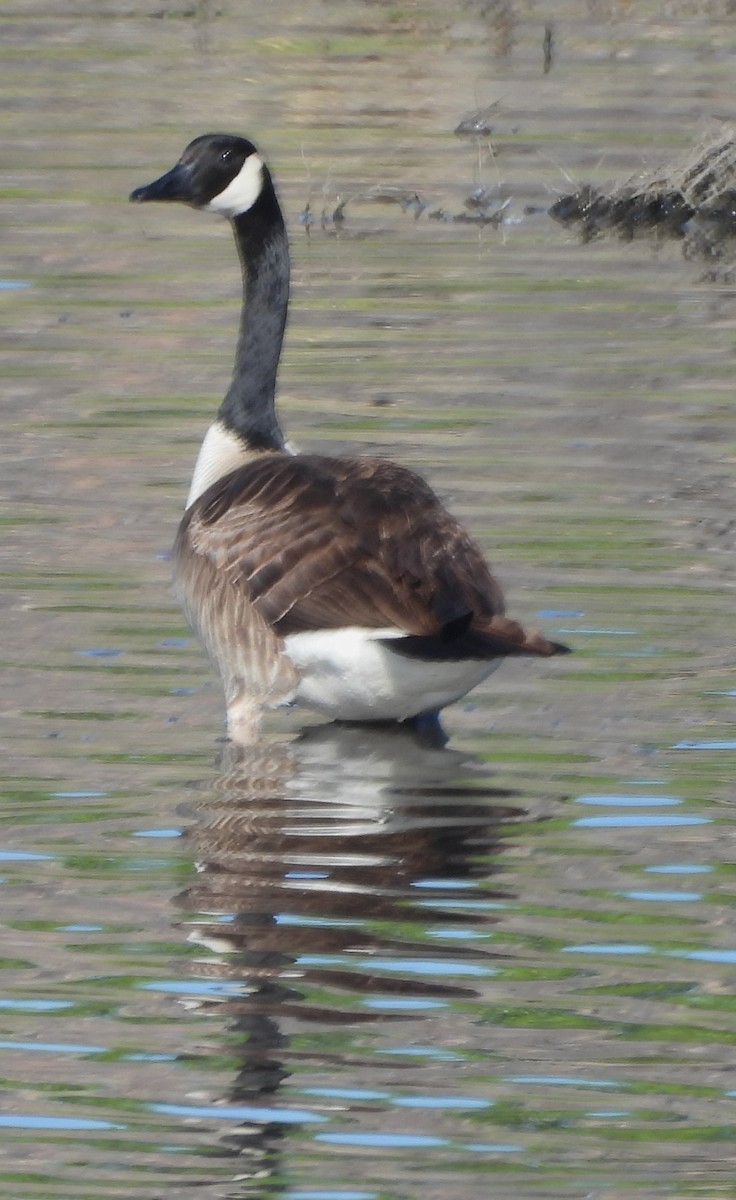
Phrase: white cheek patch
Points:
(242, 192)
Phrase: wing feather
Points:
(237, 638)
(320, 543)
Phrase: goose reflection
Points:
(325, 866)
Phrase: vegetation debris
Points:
(693, 200)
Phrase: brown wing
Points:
(320, 543)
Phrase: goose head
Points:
(218, 172)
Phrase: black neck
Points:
(248, 408)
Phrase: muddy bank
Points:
(692, 200)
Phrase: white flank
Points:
(220, 453)
(242, 192)
(351, 675)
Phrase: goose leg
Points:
(428, 730)
(244, 715)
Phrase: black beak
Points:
(176, 184)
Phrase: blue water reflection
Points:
(329, 1194)
(53, 1047)
(40, 1121)
(35, 1005)
(680, 869)
(628, 801)
(565, 1081)
(22, 856)
(706, 744)
(237, 1112)
(643, 821)
(663, 897)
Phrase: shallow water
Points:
(345, 967)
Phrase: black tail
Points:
(456, 641)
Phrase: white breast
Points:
(351, 675)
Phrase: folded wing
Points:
(316, 543)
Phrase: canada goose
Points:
(340, 583)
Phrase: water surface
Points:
(344, 966)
